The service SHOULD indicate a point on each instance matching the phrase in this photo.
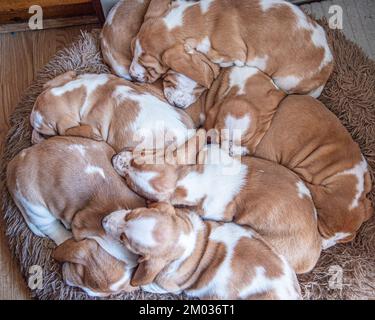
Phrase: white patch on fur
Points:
(143, 179)
(327, 243)
(204, 46)
(37, 120)
(317, 92)
(258, 62)
(175, 17)
(213, 181)
(359, 172)
(287, 83)
(154, 119)
(41, 221)
(81, 149)
(233, 123)
(94, 169)
(239, 75)
(115, 287)
(90, 82)
(284, 286)
(229, 234)
(114, 223)
(237, 126)
(140, 231)
(303, 191)
(137, 71)
(202, 118)
(205, 5)
(117, 250)
(182, 96)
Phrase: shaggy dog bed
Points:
(343, 272)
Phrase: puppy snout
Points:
(114, 223)
(121, 162)
(137, 72)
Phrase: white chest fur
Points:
(218, 184)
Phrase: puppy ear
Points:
(187, 153)
(164, 207)
(64, 124)
(60, 80)
(157, 8)
(71, 251)
(193, 65)
(146, 272)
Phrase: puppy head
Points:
(47, 116)
(154, 176)
(181, 91)
(185, 60)
(151, 41)
(88, 266)
(151, 233)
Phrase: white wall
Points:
(107, 5)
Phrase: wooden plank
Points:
(355, 20)
(19, 12)
(11, 5)
(51, 24)
(366, 10)
(16, 73)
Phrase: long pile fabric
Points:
(345, 271)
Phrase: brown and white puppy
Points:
(107, 108)
(210, 260)
(271, 35)
(68, 183)
(308, 139)
(254, 192)
(121, 26)
(253, 117)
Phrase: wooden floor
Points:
(22, 54)
(358, 20)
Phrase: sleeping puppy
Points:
(273, 36)
(254, 192)
(122, 25)
(104, 107)
(68, 183)
(252, 115)
(205, 259)
(318, 148)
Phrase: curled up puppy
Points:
(63, 187)
(274, 36)
(205, 259)
(107, 108)
(257, 193)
